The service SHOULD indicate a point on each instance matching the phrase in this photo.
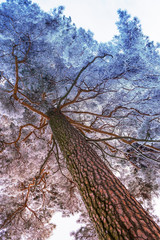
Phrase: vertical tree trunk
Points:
(114, 211)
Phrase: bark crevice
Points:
(114, 212)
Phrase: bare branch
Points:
(78, 76)
(122, 137)
(20, 131)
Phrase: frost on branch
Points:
(109, 91)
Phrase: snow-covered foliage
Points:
(110, 91)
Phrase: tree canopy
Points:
(109, 91)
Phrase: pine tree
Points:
(114, 212)
(101, 102)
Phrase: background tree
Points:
(109, 92)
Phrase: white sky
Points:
(64, 227)
(100, 16)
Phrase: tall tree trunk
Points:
(114, 211)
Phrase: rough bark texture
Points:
(115, 213)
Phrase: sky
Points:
(64, 226)
(100, 16)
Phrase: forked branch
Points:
(20, 132)
(78, 76)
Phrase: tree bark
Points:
(114, 211)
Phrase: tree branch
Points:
(78, 75)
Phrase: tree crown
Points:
(109, 91)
